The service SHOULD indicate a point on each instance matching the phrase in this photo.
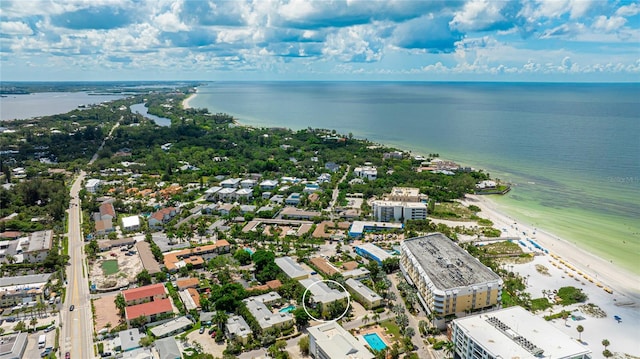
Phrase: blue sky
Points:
(470, 40)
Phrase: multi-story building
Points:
(147, 293)
(512, 333)
(265, 317)
(194, 256)
(363, 294)
(292, 269)
(331, 341)
(449, 280)
(322, 295)
(238, 329)
(373, 252)
(22, 289)
(40, 243)
(389, 211)
(368, 172)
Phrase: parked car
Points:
(202, 330)
(49, 328)
(213, 335)
(72, 307)
(67, 355)
(105, 354)
(212, 330)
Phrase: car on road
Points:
(72, 307)
(105, 354)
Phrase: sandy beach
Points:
(622, 282)
(186, 101)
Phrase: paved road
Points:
(334, 195)
(77, 325)
(77, 330)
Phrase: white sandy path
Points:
(621, 281)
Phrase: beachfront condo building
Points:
(401, 204)
(450, 282)
(512, 333)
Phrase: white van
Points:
(42, 341)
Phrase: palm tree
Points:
(365, 319)
(33, 322)
(580, 329)
(606, 343)
(376, 317)
(565, 316)
(220, 318)
(449, 349)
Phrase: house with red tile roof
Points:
(151, 310)
(159, 218)
(187, 283)
(175, 260)
(147, 293)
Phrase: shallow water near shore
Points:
(571, 150)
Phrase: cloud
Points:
(15, 28)
(609, 24)
(107, 17)
(481, 15)
(354, 44)
(628, 10)
(427, 32)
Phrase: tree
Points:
(220, 318)
(580, 329)
(143, 278)
(33, 322)
(607, 354)
(449, 349)
(365, 319)
(146, 341)
(20, 327)
(120, 303)
(304, 345)
(565, 316)
(390, 265)
(242, 256)
(301, 316)
(606, 343)
(409, 332)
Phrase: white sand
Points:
(626, 285)
(186, 102)
(624, 302)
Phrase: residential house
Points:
(332, 166)
(244, 194)
(293, 199)
(248, 183)
(368, 172)
(268, 185)
(92, 185)
(152, 311)
(238, 329)
(227, 194)
(322, 294)
(159, 218)
(231, 183)
(107, 211)
(131, 223)
(292, 269)
(167, 348)
(265, 317)
(147, 293)
(178, 259)
(331, 341)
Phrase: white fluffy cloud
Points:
(15, 28)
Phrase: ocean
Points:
(571, 151)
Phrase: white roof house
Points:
(131, 223)
(330, 340)
(231, 183)
(92, 185)
(265, 317)
(321, 291)
(237, 327)
(292, 269)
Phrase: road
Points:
(77, 327)
(336, 192)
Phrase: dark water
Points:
(572, 150)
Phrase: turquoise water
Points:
(572, 151)
(375, 342)
(288, 309)
(249, 250)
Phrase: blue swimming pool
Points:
(249, 250)
(287, 309)
(375, 342)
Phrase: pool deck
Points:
(374, 329)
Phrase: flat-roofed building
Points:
(167, 348)
(238, 329)
(40, 244)
(149, 262)
(268, 298)
(449, 280)
(131, 223)
(405, 194)
(357, 274)
(322, 294)
(92, 185)
(130, 339)
(331, 341)
(172, 327)
(368, 172)
(512, 333)
(363, 294)
(388, 211)
(292, 269)
(13, 346)
(373, 252)
(265, 317)
(359, 228)
(22, 289)
(295, 213)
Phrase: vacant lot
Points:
(106, 312)
(110, 267)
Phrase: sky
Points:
(360, 40)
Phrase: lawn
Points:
(110, 266)
(392, 328)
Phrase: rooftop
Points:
(324, 266)
(130, 339)
(321, 292)
(336, 342)
(446, 264)
(362, 290)
(148, 308)
(264, 316)
(503, 333)
(131, 221)
(40, 241)
(24, 280)
(290, 267)
(143, 292)
(168, 348)
(360, 227)
(374, 250)
(171, 326)
(237, 326)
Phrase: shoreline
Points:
(621, 281)
(186, 103)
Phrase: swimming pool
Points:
(249, 250)
(375, 342)
(287, 309)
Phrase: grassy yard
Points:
(453, 211)
(110, 266)
(392, 328)
(501, 248)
